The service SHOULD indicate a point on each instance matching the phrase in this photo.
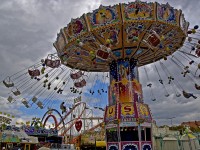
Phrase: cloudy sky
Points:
(29, 27)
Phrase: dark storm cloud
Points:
(29, 27)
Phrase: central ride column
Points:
(127, 118)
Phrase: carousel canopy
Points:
(144, 31)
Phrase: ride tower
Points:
(119, 39)
(127, 118)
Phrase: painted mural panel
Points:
(103, 16)
(134, 33)
(125, 91)
(111, 113)
(110, 37)
(167, 13)
(113, 94)
(137, 89)
(138, 11)
(60, 42)
(75, 28)
(143, 112)
(127, 111)
(184, 24)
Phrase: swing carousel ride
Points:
(113, 44)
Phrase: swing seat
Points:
(102, 54)
(52, 63)
(197, 52)
(166, 95)
(152, 40)
(197, 86)
(34, 72)
(34, 99)
(80, 84)
(40, 105)
(64, 109)
(149, 85)
(154, 99)
(56, 63)
(24, 101)
(62, 105)
(16, 93)
(8, 83)
(186, 95)
(76, 75)
(10, 99)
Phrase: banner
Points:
(143, 112)
(110, 113)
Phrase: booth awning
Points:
(100, 143)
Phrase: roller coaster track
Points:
(63, 118)
(70, 123)
(55, 120)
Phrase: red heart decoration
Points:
(78, 125)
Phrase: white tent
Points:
(170, 143)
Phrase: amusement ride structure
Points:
(113, 42)
(79, 118)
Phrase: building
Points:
(192, 124)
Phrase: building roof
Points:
(194, 124)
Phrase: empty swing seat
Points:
(8, 83)
(52, 63)
(10, 99)
(197, 86)
(40, 105)
(102, 54)
(24, 101)
(34, 72)
(34, 99)
(76, 75)
(153, 39)
(16, 93)
(80, 84)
